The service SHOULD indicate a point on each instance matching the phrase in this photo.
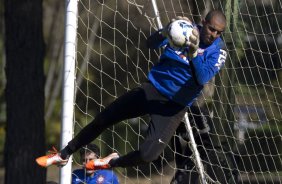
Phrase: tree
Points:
(24, 46)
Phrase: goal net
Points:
(237, 120)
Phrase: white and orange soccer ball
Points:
(179, 32)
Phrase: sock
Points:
(129, 160)
(65, 152)
(112, 162)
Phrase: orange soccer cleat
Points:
(53, 158)
(102, 163)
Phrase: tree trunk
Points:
(25, 130)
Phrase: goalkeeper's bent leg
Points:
(161, 129)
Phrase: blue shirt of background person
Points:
(98, 177)
(79, 176)
(180, 78)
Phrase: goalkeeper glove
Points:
(193, 43)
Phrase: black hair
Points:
(90, 148)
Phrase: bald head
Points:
(215, 13)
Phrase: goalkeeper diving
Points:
(173, 85)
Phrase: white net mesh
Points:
(240, 142)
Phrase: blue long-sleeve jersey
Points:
(182, 80)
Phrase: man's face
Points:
(212, 30)
(88, 156)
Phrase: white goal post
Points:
(68, 84)
(105, 56)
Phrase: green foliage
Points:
(53, 132)
(262, 150)
(261, 96)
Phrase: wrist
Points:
(163, 32)
(193, 55)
